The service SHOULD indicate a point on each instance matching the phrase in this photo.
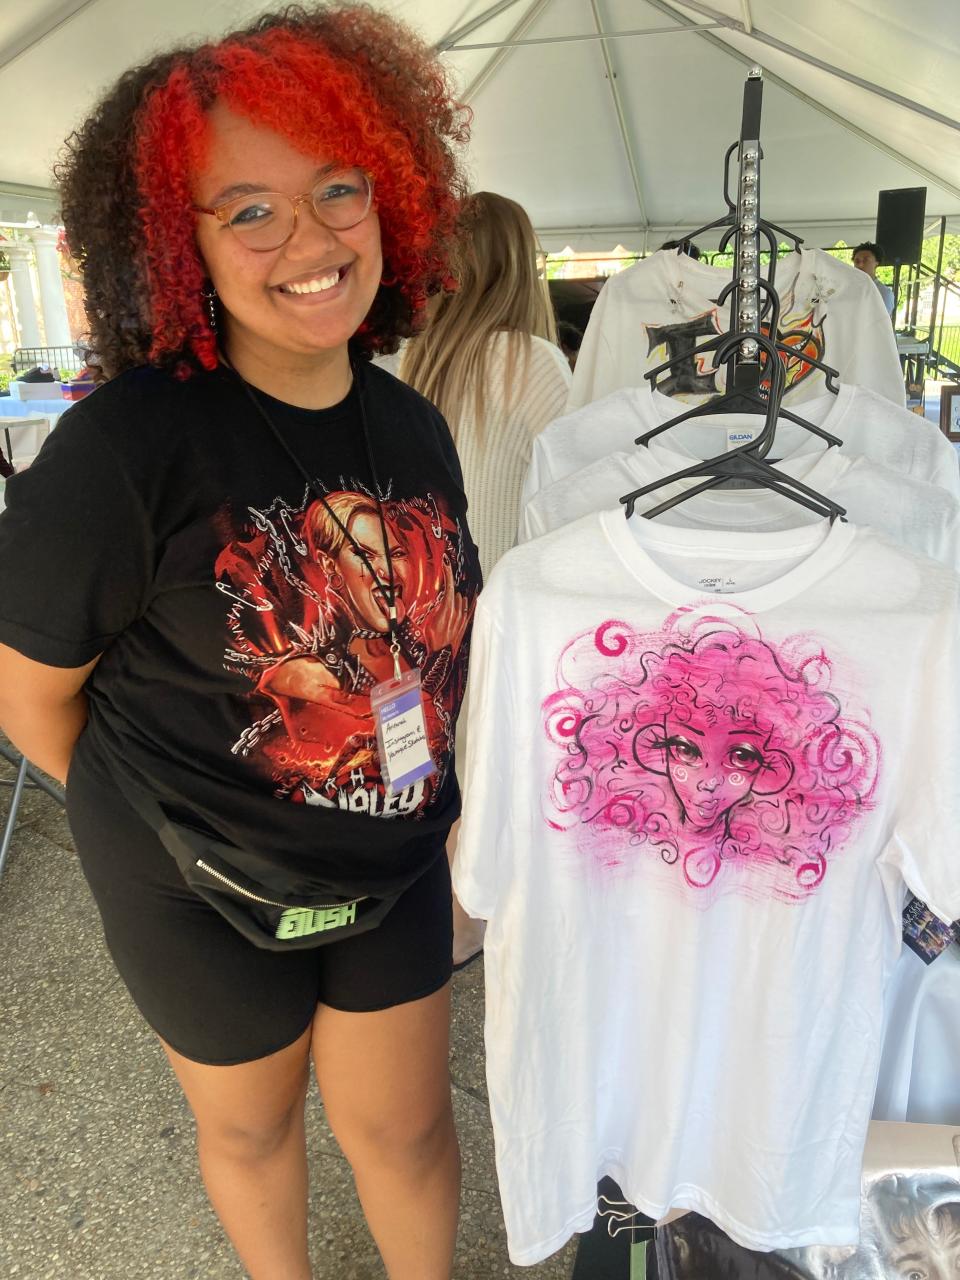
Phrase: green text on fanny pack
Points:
(299, 922)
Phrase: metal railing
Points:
(929, 307)
(54, 357)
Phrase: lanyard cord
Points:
(388, 589)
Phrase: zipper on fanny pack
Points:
(268, 902)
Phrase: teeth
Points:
(317, 285)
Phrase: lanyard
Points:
(388, 588)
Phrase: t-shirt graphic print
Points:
(307, 624)
(661, 308)
(694, 374)
(706, 757)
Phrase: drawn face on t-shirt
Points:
(366, 597)
(726, 757)
(711, 767)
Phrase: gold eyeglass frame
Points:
(222, 211)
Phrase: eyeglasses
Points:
(265, 220)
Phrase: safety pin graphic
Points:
(264, 607)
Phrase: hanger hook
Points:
(778, 374)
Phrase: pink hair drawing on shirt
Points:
(729, 759)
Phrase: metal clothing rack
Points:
(755, 303)
(752, 345)
(750, 348)
(754, 295)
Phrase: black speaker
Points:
(900, 218)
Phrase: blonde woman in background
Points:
(488, 360)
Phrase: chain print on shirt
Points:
(308, 628)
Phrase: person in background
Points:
(867, 257)
(569, 338)
(684, 246)
(488, 360)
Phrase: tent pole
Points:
(584, 39)
(39, 31)
(861, 228)
(938, 181)
(625, 136)
(762, 37)
(468, 28)
(495, 63)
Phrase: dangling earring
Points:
(335, 581)
(210, 298)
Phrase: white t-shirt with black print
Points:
(665, 305)
(911, 513)
(866, 423)
(702, 775)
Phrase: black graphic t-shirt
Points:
(241, 631)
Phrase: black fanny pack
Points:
(243, 887)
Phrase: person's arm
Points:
(43, 709)
(76, 570)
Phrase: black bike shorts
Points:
(213, 996)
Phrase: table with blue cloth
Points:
(52, 409)
(23, 442)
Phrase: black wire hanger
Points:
(741, 400)
(744, 399)
(748, 461)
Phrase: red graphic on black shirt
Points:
(309, 628)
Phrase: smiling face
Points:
(361, 592)
(269, 316)
(711, 767)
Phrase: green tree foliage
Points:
(951, 255)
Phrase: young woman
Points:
(216, 558)
(488, 359)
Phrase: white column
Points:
(26, 304)
(55, 323)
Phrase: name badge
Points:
(397, 707)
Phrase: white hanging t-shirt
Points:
(690, 820)
(910, 512)
(665, 305)
(866, 423)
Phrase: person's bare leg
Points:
(253, 1158)
(385, 1083)
(467, 932)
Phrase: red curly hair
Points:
(344, 80)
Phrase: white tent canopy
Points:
(602, 140)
